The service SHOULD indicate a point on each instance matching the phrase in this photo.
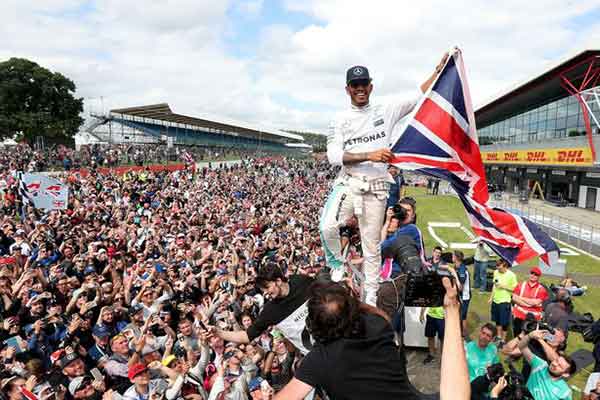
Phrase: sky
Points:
(281, 63)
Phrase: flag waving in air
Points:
(440, 140)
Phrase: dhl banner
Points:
(581, 156)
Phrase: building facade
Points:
(546, 131)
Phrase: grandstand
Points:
(158, 124)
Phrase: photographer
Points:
(356, 358)
(547, 349)
(547, 381)
(407, 237)
(557, 312)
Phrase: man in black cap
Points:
(359, 141)
(136, 313)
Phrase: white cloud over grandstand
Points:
(177, 51)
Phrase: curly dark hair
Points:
(333, 313)
(269, 272)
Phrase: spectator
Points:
(464, 286)
(396, 188)
(547, 380)
(528, 298)
(481, 257)
(548, 350)
(436, 258)
(557, 312)
(434, 326)
(505, 282)
(570, 286)
(481, 353)
(287, 300)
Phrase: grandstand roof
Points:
(537, 90)
(163, 112)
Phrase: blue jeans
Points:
(480, 279)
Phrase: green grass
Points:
(449, 209)
(446, 208)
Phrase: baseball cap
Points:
(89, 270)
(135, 309)
(79, 383)
(34, 299)
(255, 384)
(135, 370)
(100, 331)
(67, 359)
(358, 72)
(168, 360)
(536, 270)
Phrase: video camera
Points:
(531, 324)
(516, 388)
(424, 288)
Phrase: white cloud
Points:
(174, 51)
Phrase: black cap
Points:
(358, 72)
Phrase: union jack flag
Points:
(440, 140)
(187, 157)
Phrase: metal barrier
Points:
(585, 237)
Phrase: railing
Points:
(583, 236)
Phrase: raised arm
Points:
(524, 344)
(231, 336)
(454, 379)
(425, 85)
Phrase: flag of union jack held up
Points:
(440, 140)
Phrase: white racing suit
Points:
(361, 189)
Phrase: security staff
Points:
(359, 141)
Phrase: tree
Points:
(37, 102)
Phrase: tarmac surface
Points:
(425, 378)
(573, 214)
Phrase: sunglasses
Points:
(359, 82)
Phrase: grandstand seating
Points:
(184, 136)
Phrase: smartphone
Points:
(15, 342)
(97, 374)
(202, 326)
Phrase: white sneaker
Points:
(337, 274)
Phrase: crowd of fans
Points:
(119, 295)
(113, 294)
(58, 157)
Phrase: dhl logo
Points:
(536, 156)
(511, 156)
(491, 156)
(570, 156)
